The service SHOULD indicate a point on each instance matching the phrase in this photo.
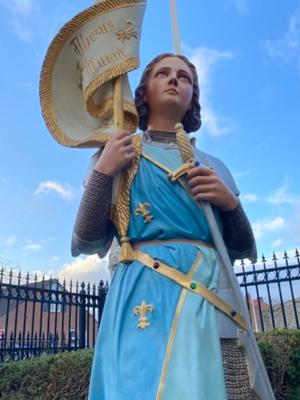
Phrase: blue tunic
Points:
(177, 355)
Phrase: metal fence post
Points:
(101, 300)
(82, 316)
(44, 317)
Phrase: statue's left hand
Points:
(205, 185)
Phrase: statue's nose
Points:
(173, 80)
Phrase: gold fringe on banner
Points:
(106, 76)
(47, 73)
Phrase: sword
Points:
(259, 380)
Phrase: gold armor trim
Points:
(184, 281)
(157, 163)
(169, 171)
(198, 242)
(173, 330)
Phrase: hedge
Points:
(280, 350)
(65, 376)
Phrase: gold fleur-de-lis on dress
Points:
(142, 210)
(142, 310)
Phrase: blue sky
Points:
(248, 58)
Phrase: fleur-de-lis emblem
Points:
(142, 310)
(127, 32)
(142, 210)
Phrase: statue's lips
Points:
(171, 91)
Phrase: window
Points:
(55, 307)
(72, 338)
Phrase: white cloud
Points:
(294, 228)
(7, 241)
(263, 226)
(283, 196)
(10, 241)
(24, 7)
(27, 85)
(287, 47)
(22, 31)
(31, 19)
(205, 60)
(279, 234)
(278, 242)
(292, 256)
(242, 6)
(24, 16)
(215, 125)
(66, 192)
(88, 269)
(39, 274)
(32, 247)
(53, 259)
(238, 175)
(249, 198)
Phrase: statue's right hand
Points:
(117, 153)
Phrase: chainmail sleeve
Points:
(237, 234)
(93, 230)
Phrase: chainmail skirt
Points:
(236, 371)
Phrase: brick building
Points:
(44, 310)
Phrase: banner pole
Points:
(118, 99)
(175, 29)
(118, 103)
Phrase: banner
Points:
(76, 86)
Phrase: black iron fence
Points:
(47, 317)
(272, 292)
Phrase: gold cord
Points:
(121, 212)
(183, 143)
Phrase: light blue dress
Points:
(177, 356)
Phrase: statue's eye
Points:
(186, 78)
(162, 74)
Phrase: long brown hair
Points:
(192, 118)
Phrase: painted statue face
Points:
(170, 87)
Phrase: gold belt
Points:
(189, 241)
(190, 284)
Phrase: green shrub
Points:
(280, 350)
(65, 376)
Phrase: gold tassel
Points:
(121, 213)
(126, 253)
(183, 143)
